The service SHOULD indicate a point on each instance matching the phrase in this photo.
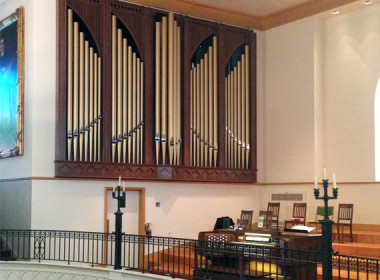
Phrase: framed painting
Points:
(12, 84)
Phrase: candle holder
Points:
(326, 223)
(120, 196)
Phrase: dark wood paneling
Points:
(253, 109)
(139, 21)
(186, 92)
(133, 18)
(106, 40)
(195, 32)
(61, 113)
(230, 38)
(89, 12)
(222, 160)
(75, 169)
(148, 28)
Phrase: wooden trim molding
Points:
(68, 169)
(213, 12)
(141, 225)
(41, 178)
(301, 11)
(204, 11)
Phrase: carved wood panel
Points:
(139, 20)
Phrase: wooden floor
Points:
(366, 244)
(344, 274)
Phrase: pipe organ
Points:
(237, 109)
(84, 94)
(168, 90)
(127, 98)
(203, 105)
(149, 94)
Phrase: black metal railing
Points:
(178, 257)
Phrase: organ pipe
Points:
(114, 86)
(157, 90)
(83, 95)
(168, 90)
(69, 83)
(86, 98)
(204, 106)
(84, 101)
(127, 98)
(237, 110)
(76, 88)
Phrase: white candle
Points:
(324, 173)
(315, 182)
(334, 181)
(124, 186)
(120, 181)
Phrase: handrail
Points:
(177, 257)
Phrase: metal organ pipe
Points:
(127, 99)
(80, 94)
(204, 106)
(84, 99)
(168, 90)
(237, 110)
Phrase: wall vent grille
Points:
(287, 197)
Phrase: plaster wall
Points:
(346, 67)
(289, 102)
(44, 103)
(366, 202)
(351, 72)
(185, 209)
(15, 204)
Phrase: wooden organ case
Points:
(148, 94)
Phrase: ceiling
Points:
(255, 14)
(256, 8)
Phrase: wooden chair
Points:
(320, 214)
(266, 218)
(299, 212)
(345, 214)
(274, 207)
(245, 220)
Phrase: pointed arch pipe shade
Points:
(137, 103)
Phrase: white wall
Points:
(289, 101)
(352, 69)
(40, 90)
(185, 209)
(319, 135)
(15, 204)
(260, 101)
(44, 87)
(346, 66)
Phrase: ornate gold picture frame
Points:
(12, 84)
